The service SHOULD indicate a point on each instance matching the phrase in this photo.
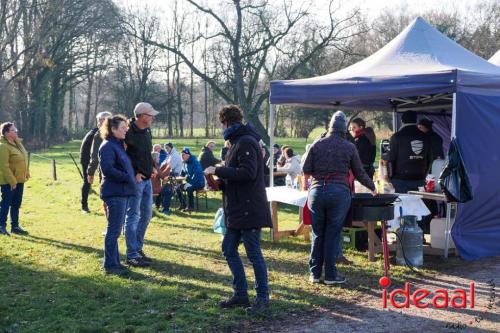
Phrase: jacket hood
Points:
(246, 129)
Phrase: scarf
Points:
(359, 132)
(230, 130)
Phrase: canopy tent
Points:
(423, 70)
(495, 59)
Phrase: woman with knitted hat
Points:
(327, 162)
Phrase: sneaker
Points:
(166, 212)
(18, 230)
(137, 262)
(235, 301)
(85, 210)
(337, 280)
(119, 271)
(260, 306)
(3, 231)
(144, 257)
(313, 280)
(188, 210)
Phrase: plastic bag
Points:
(454, 180)
(219, 224)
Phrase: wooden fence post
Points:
(54, 173)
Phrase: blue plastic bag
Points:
(219, 224)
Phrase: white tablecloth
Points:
(286, 195)
(412, 205)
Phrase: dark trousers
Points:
(85, 189)
(404, 185)
(117, 210)
(329, 205)
(251, 241)
(166, 196)
(11, 201)
(190, 194)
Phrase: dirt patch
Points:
(368, 315)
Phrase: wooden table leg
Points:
(274, 216)
(371, 240)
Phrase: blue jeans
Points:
(404, 185)
(11, 200)
(251, 241)
(329, 205)
(139, 213)
(117, 209)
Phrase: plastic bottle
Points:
(288, 181)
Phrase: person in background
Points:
(174, 160)
(425, 125)
(172, 167)
(195, 180)
(89, 158)
(162, 154)
(117, 187)
(245, 208)
(328, 161)
(139, 143)
(365, 142)
(13, 174)
(292, 164)
(410, 155)
(223, 151)
(207, 157)
(282, 159)
(276, 153)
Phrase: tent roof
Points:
(419, 61)
(495, 59)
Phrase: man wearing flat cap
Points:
(139, 142)
(425, 125)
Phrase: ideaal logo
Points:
(440, 298)
(460, 299)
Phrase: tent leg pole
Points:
(271, 144)
(448, 205)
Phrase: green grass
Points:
(51, 280)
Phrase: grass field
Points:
(51, 280)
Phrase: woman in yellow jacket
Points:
(13, 174)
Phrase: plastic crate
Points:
(357, 238)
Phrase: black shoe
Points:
(120, 271)
(85, 210)
(18, 230)
(144, 257)
(259, 307)
(337, 280)
(235, 301)
(137, 262)
(3, 231)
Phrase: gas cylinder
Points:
(409, 249)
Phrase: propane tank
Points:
(409, 242)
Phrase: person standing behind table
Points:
(89, 158)
(139, 143)
(195, 180)
(223, 151)
(365, 142)
(13, 174)
(292, 164)
(117, 187)
(410, 155)
(328, 162)
(172, 166)
(425, 125)
(246, 209)
(207, 157)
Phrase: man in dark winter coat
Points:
(410, 155)
(86, 157)
(246, 208)
(207, 157)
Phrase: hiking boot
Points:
(18, 231)
(259, 307)
(144, 257)
(137, 262)
(3, 231)
(119, 271)
(235, 301)
(337, 280)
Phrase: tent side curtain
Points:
(476, 230)
(371, 93)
